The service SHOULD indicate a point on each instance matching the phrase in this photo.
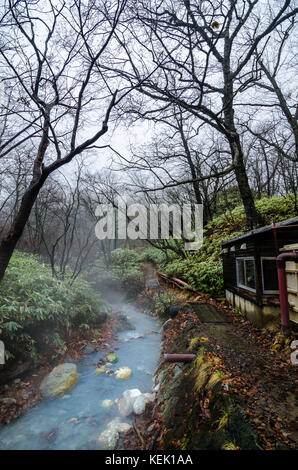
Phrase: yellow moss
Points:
(216, 360)
(276, 347)
(201, 380)
(216, 377)
(223, 421)
(184, 443)
(199, 359)
(280, 342)
(193, 343)
(203, 339)
(229, 446)
(202, 375)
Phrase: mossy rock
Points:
(112, 358)
(170, 407)
(59, 381)
(227, 423)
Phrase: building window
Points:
(246, 273)
(269, 275)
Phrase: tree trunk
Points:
(10, 241)
(194, 175)
(253, 217)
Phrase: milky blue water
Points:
(48, 425)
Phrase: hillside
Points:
(203, 269)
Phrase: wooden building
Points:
(250, 273)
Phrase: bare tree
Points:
(202, 57)
(179, 155)
(51, 61)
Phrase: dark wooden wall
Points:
(257, 246)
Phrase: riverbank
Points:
(230, 397)
(252, 384)
(238, 393)
(22, 393)
(81, 417)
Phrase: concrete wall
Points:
(292, 282)
(267, 316)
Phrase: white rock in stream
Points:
(123, 372)
(150, 396)
(139, 404)
(124, 427)
(118, 426)
(133, 401)
(107, 403)
(108, 439)
(126, 401)
(113, 424)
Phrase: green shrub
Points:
(122, 257)
(125, 268)
(203, 268)
(37, 311)
(204, 276)
(154, 255)
(162, 302)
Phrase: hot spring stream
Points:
(49, 424)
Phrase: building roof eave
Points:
(258, 231)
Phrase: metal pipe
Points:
(178, 357)
(275, 239)
(282, 286)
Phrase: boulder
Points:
(100, 370)
(124, 427)
(107, 403)
(123, 324)
(126, 401)
(112, 358)
(118, 426)
(150, 396)
(59, 381)
(108, 439)
(114, 423)
(139, 404)
(88, 349)
(123, 372)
